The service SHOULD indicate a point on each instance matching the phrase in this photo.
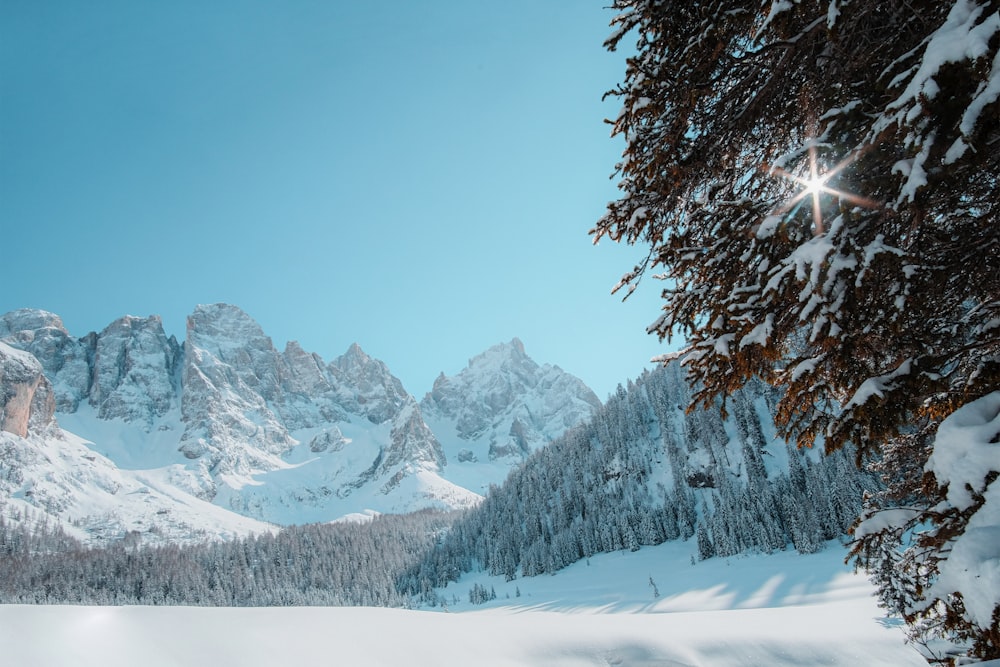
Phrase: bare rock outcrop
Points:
(27, 403)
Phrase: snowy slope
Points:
(357, 473)
(94, 499)
(776, 611)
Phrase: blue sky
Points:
(415, 177)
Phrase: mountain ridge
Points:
(277, 436)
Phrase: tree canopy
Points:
(817, 185)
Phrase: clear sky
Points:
(417, 177)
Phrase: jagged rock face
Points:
(366, 387)
(305, 372)
(329, 440)
(66, 360)
(506, 399)
(494, 377)
(231, 370)
(128, 371)
(412, 449)
(412, 441)
(308, 397)
(29, 319)
(234, 349)
(26, 401)
(135, 371)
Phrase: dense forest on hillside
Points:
(645, 471)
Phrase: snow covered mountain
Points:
(226, 419)
(499, 409)
(48, 472)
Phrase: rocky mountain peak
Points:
(508, 403)
(129, 323)
(412, 442)
(65, 360)
(221, 326)
(510, 355)
(29, 320)
(306, 371)
(354, 356)
(135, 370)
(366, 387)
(515, 348)
(232, 379)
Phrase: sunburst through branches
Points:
(814, 184)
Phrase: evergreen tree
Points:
(705, 547)
(817, 183)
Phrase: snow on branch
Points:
(961, 37)
(966, 449)
(964, 36)
(879, 386)
(966, 459)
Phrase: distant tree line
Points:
(336, 564)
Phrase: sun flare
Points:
(815, 184)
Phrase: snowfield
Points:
(774, 611)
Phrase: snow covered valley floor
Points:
(777, 610)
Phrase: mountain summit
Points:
(502, 407)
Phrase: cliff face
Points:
(27, 404)
(231, 384)
(134, 371)
(66, 361)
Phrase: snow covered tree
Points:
(817, 185)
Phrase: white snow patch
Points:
(760, 334)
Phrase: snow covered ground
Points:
(778, 610)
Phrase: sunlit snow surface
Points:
(777, 610)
